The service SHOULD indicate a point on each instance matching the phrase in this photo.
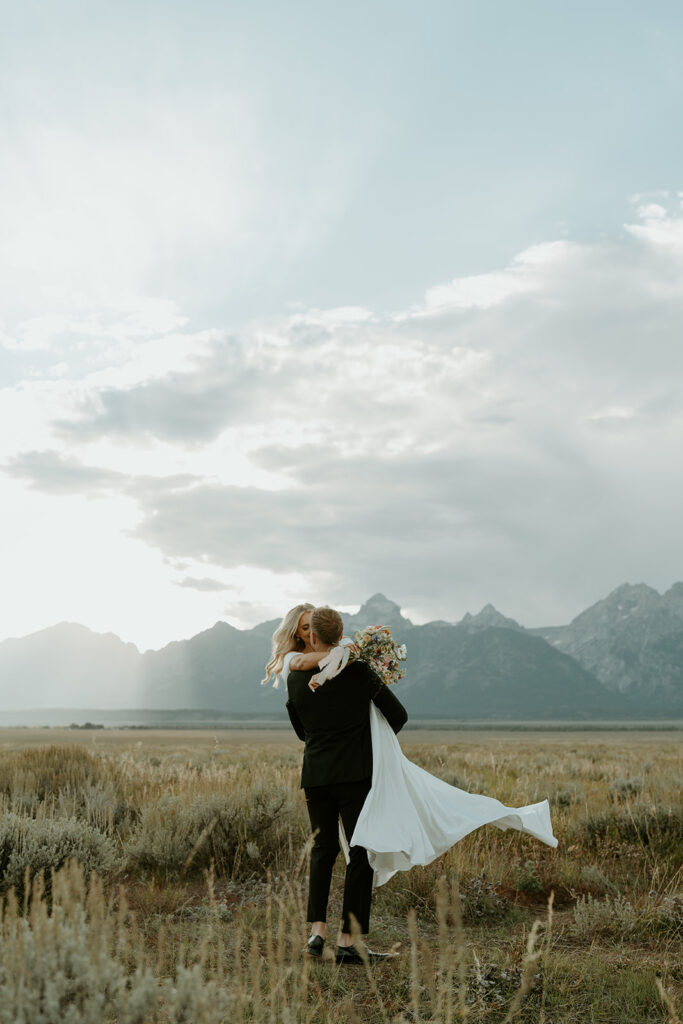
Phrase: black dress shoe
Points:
(315, 944)
(350, 955)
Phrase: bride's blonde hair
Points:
(285, 640)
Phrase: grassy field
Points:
(151, 876)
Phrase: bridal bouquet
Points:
(376, 647)
(381, 652)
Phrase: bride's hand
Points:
(312, 684)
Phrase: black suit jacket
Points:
(334, 722)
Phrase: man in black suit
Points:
(334, 722)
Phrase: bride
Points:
(292, 636)
(409, 817)
(292, 648)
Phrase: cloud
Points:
(661, 232)
(499, 437)
(484, 291)
(612, 414)
(332, 318)
(127, 319)
(52, 473)
(651, 211)
(228, 381)
(205, 585)
(583, 324)
(298, 371)
(426, 527)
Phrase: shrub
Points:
(35, 845)
(623, 789)
(593, 877)
(10, 825)
(663, 914)
(525, 877)
(568, 795)
(241, 832)
(480, 900)
(68, 780)
(613, 915)
(659, 828)
(44, 771)
(669, 912)
(73, 967)
(98, 803)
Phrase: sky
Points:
(303, 302)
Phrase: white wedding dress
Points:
(411, 817)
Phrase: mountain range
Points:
(622, 658)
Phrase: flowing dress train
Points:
(411, 817)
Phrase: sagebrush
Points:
(195, 908)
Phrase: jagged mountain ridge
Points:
(378, 611)
(631, 641)
(485, 666)
(488, 618)
(499, 673)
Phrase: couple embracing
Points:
(360, 788)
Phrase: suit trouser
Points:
(325, 805)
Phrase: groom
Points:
(334, 722)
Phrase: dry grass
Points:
(197, 913)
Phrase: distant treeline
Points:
(435, 725)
